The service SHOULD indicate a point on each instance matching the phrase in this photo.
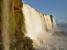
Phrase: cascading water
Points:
(33, 22)
(48, 22)
(39, 28)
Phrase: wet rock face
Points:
(12, 35)
(1, 44)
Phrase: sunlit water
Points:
(37, 25)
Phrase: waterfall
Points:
(48, 22)
(40, 28)
(32, 20)
(36, 23)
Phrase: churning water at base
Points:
(55, 41)
(43, 31)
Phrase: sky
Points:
(57, 8)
